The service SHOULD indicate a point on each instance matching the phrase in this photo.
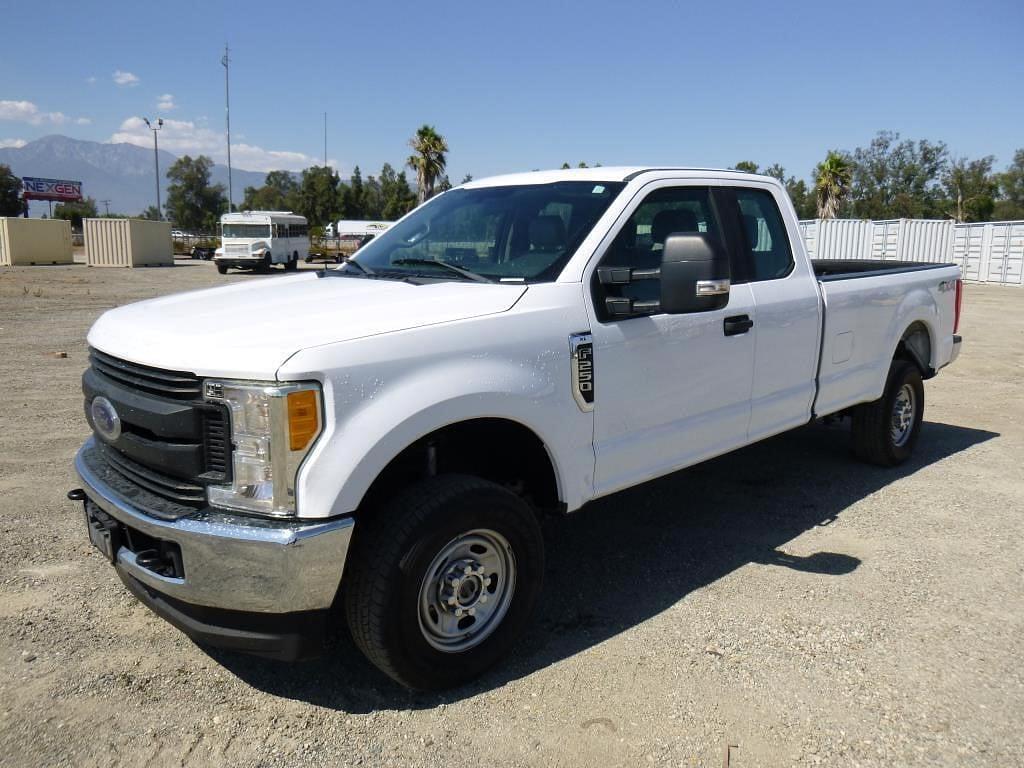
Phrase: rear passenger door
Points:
(786, 297)
(670, 390)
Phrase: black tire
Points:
(222, 268)
(393, 548)
(293, 262)
(876, 438)
(265, 263)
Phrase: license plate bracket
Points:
(104, 531)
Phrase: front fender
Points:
(379, 425)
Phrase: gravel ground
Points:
(785, 600)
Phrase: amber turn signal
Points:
(303, 419)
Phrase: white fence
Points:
(992, 252)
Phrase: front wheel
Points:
(222, 269)
(443, 579)
(885, 431)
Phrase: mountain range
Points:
(120, 173)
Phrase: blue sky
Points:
(519, 85)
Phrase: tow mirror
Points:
(694, 274)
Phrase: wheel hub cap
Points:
(466, 591)
(903, 408)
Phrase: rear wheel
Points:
(885, 431)
(442, 580)
(293, 262)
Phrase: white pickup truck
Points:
(374, 443)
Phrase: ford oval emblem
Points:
(105, 420)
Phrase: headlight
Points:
(273, 427)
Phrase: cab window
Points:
(641, 240)
(767, 251)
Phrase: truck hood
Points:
(248, 330)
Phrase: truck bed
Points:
(845, 269)
(864, 321)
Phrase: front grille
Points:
(172, 444)
(177, 385)
(169, 488)
(236, 250)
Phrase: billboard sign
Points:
(59, 190)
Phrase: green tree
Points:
(428, 159)
(75, 212)
(278, 193)
(398, 197)
(10, 193)
(566, 166)
(445, 184)
(194, 204)
(373, 199)
(832, 183)
(350, 196)
(747, 166)
(971, 189)
(898, 179)
(1011, 190)
(317, 195)
(467, 178)
(151, 213)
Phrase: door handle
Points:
(737, 324)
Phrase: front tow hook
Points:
(76, 494)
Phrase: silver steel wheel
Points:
(467, 590)
(903, 414)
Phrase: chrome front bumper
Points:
(233, 562)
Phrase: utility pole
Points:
(325, 139)
(226, 61)
(106, 204)
(156, 162)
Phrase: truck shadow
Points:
(628, 557)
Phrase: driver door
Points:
(670, 390)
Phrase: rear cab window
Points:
(765, 244)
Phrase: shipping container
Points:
(34, 241)
(990, 252)
(128, 243)
(987, 252)
(838, 238)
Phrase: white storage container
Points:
(128, 243)
(34, 241)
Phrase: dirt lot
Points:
(785, 600)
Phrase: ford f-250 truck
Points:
(375, 442)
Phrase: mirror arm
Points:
(624, 307)
(625, 275)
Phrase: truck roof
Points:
(609, 173)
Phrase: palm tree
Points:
(832, 180)
(428, 161)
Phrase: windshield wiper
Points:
(450, 267)
(365, 270)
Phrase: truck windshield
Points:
(525, 233)
(246, 230)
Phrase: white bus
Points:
(356, 229)
(258, 239)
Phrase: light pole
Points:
(226, 63)
(106, 204)
(156, 161)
